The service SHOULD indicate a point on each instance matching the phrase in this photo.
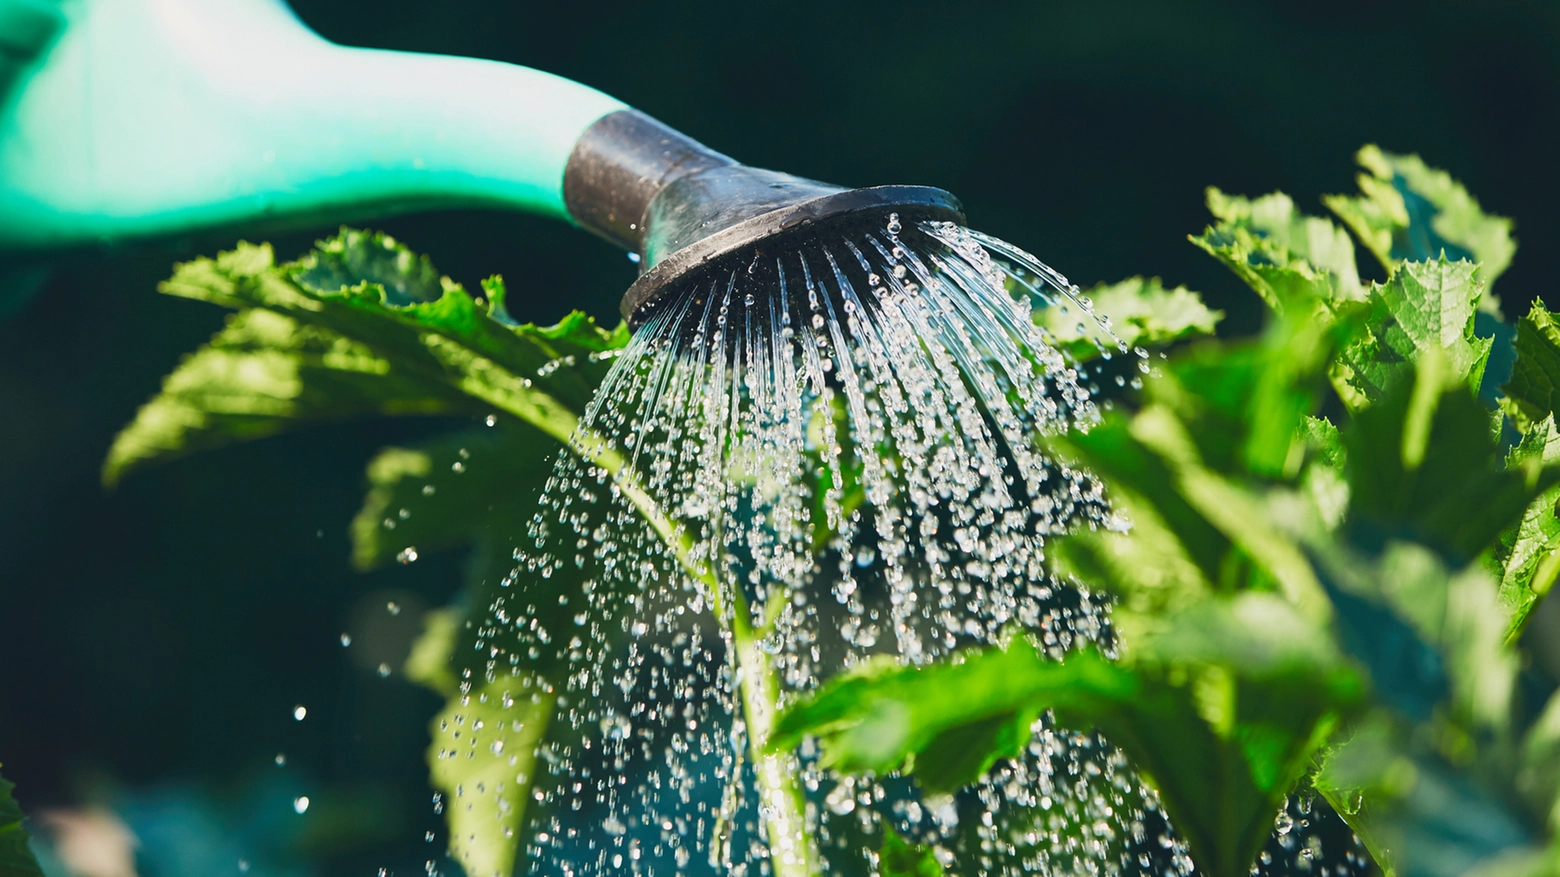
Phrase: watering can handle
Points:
(129, 120)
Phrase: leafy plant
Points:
(1325, 552)
(1340, 469)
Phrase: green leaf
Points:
(1221, 707)
(1417, 815)
(1538, 770)
(1424, 464)
(1217, 416)
(261, 374)
(483, 760)
(300, 350)
(1408, 211)
(428, 663)
(1426, 306)
(456, 490)
(1282, 254)
(900, 858)
(1535, 377)
(1528, 556)
(16, 858)
(1141, 313)
(353, 257)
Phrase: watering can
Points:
(125, 121)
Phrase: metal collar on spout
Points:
(686, 208)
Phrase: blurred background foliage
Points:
(159, 636)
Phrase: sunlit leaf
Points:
(455, 490)
(900, 858)
(1531, 394)
(1141, 313)
(303, 351)
(1220, 765)
(1426, 306)
(1285, 256)
(1408, 211)
(1424, 464)
(1528, 556)
(483, 759)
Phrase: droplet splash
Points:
(823, 456)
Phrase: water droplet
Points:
(281, 759)
(384, 671)
(300, 803)
(457, 467)
(299, 712)
(346, 640)
(491, 420)
(393, 608)
(407, 555)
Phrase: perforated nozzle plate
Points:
(731, 244)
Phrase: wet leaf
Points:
(456, 490)
(483, 760)
(307, 351)
(1221, 765)
(1141, 312)
(1527, 558)
(1426, 306)
(900, 858)
(1535, 377)
(16, 858)
(1408, 211)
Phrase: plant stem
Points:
(782, 806)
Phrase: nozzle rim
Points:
(915, 202)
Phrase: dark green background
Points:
(164, 632)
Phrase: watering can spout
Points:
(129, 120)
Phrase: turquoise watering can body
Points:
(143, 119)
(133, 120)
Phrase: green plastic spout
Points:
(138, 119)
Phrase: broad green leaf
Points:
(1417, 815)
(16, 858)
(1424, 464)
(459, 489)
(1528, 556)
(1531, 394)
(900, 858)
(354, 256)
(1538, 771)
(1282, 254)
(261, 374)
(1244, 404)
(1141, 313)
(300, 352)
(1182, 467)
(483, 759)
(1220, 706)
(1426, 306)
(1323, 482)
(1408, 211)
(428, 663)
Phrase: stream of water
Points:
(826, 455)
